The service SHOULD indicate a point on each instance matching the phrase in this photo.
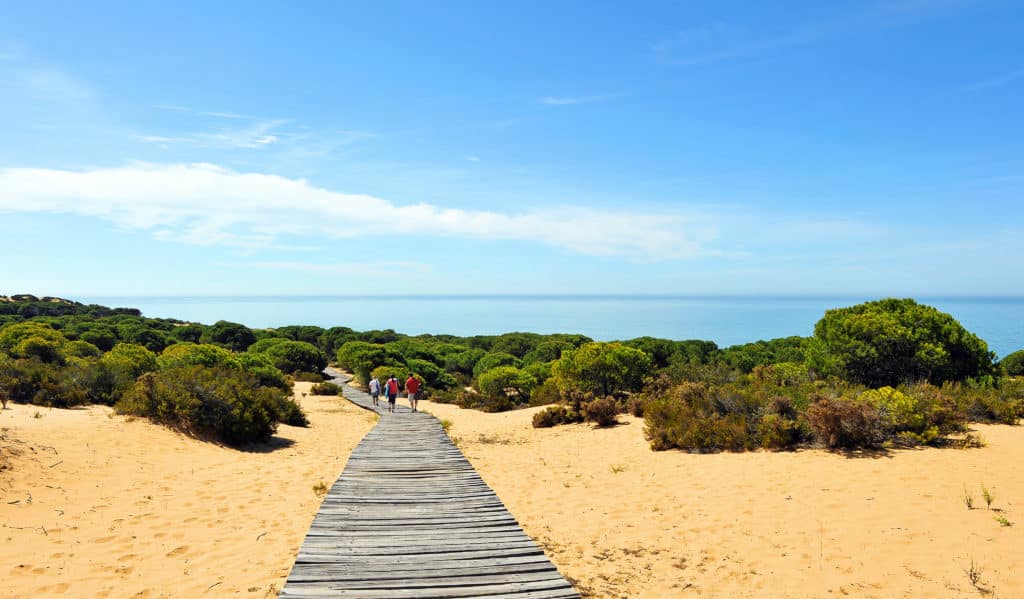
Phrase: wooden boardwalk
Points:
(410, 517)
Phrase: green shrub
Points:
(325, 389)
(285, 409)
(687, 420)
(601, 368)
(493, 360)
(181, 355)
(290, 356)
(308, 377)
(264, 370)
(602, 411)
(1013, 364)
(546, 393)
(503, 381)
(891, 341)
(636, 404)
(234, 336)
(555, 415)
(13, 334)
(81, 349)
(37, 346)
(361, 358)
(221, 402)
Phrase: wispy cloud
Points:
(344, 268)
(251, 136)
(223, 115)
(472, 158)
(997, 81)
(570, 100)
(209, 205)
(717, 41)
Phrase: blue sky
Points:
(871, 148)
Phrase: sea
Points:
(726, 320)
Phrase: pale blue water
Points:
(724, 320)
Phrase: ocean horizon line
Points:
(541, 296)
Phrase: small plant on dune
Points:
(320, 489)
(974, 573)
(37, 414)
(617, 468)
(970, 441)
(446, 424)
(989, 497)
(968, 500)
(1003, 521)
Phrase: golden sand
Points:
(623, 521)
(99, 505)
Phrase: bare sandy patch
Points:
(99, 505)
(623, 521)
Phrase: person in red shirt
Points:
(412, 387)
(392, 388)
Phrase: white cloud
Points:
(209, 205)
(570, 100)
(344, 268)
(472, 158)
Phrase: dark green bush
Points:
(284, 409)
(220, 402)
(1013, 364)
(290, 356)
(546, 393)
(892, 341)
(493, 360)
(234, 336)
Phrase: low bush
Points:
(602, 411)
(325, 389)
(635, 405)
(286, 410)
(555, 415)
(846, 423)
(308, 377)
(219, 402)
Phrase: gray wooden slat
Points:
(410, 517)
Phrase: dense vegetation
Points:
(880, 373)
(194, 378)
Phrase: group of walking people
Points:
(390, 388)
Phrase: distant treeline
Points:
(860, 380)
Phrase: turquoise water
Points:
(724, 320)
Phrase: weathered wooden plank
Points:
(321, 589)
(410, 517)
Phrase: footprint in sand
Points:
(55, 589)
(178, 551)
(104, 539)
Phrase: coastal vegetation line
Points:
(884, 373)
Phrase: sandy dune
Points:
(622, 521)
(97, 505)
